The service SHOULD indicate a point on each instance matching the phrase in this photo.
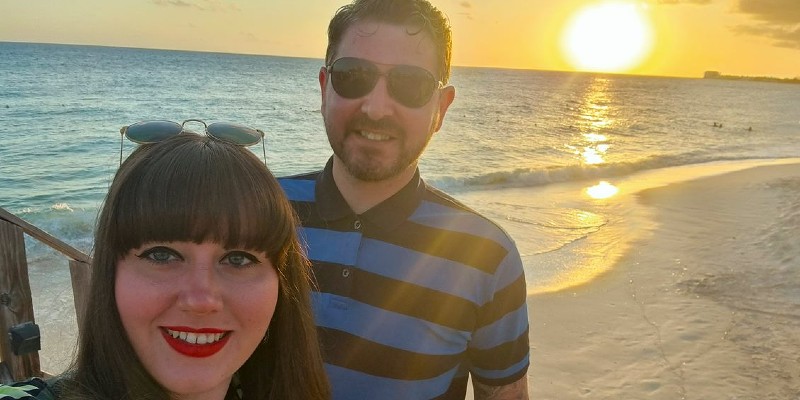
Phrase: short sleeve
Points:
(499, 352)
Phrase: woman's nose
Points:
(200, 290)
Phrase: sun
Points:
(611, 36)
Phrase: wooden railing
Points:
(16, 305)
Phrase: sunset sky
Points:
(649, 37)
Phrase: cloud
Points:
(467, 9)
(788, 37)
(773, 11)
(251, 37)
(173, 3)
(778, 20)
(670, 2)
(204, 5)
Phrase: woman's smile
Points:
(196, 343)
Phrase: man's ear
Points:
(323, 84)
(446, 96)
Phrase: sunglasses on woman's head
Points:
(410, 86)
(148, 132)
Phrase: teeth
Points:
(196, 338)
(374, 136)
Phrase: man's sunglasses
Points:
(148, 132)
(411, 86)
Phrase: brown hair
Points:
(194, 188)
(416, 15)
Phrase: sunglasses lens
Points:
(411, 86)
(352, 77)
(235, 134)
(152, 131)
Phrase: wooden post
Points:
(16, 305)
(81, 274)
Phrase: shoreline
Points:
(678, 315)
(662, 322)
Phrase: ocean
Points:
(527, 148)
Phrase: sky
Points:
(682, 38)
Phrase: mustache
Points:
(363, 122)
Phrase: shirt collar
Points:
(386, 215)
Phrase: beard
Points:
(372, 165)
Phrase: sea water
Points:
(520, 146)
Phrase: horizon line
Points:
(699, 76)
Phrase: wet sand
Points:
(706, 306)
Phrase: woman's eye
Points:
(240, 259)
(160, 255)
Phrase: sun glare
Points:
(611, 36)
(602, 190)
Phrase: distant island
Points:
(717, 75)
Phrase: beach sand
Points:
(706, 306)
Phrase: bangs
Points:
(200, 190)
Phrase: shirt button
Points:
(357, 225)
(346, 272)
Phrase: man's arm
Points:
(513, 391)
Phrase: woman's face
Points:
(194, 312)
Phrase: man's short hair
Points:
(416, 15)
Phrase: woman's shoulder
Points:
(34, 388)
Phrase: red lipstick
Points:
(192, 347)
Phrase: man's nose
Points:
(378, 103)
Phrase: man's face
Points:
(375, 137)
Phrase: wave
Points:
(531, 177)
(63, 221)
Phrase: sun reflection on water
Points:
(594, 120)
(595, 137)
(591, 155)
(602, 190)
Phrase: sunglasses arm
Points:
(121, 139)
(263, 146)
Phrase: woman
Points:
(199, 289)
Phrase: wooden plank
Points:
(16, 305)
(5, 374)
(44, 237)
(81, 274)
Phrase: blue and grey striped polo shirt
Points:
(413, 294)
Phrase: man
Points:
(416, 291)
